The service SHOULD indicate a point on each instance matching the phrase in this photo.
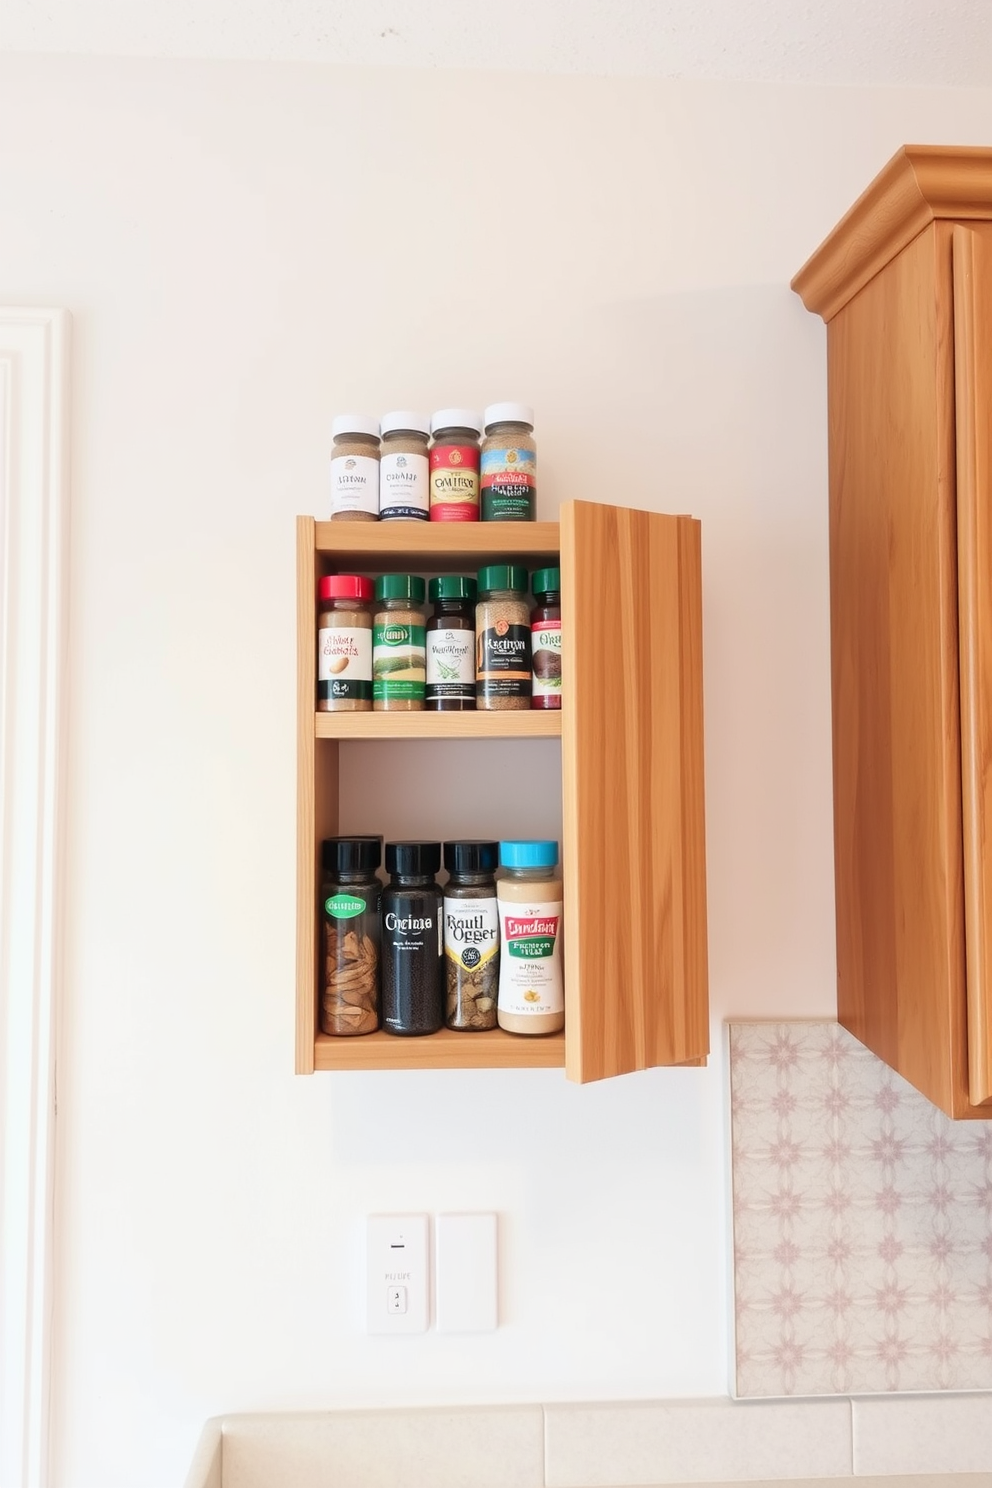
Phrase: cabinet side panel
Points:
(316, 796)
(633, 998)
(695, 969)
(897, 827)
(972, 266)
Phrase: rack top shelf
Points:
(444, 544)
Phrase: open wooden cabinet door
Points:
(632, 779)
(972, 254)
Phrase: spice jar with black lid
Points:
(545, 639)
(412, 940)
(344, 644)
(471, 935)
(451, 644)
(350, 890)
(398, 649)
(455, 465)
(355, 468)
(502, 639)
(509, 464)
(404, 470)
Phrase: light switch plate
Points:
(465, 1263)
(397, 1270)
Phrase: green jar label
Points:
(344, 906)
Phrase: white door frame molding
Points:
(33, 580)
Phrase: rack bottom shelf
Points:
(444, 1050)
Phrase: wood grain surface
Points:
(897, 788)
(972, 264)
(632, 777)
(631, 728)
(921, 184)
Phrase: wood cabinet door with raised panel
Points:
(632, 781)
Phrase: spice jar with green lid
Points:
(398, 649)
(509, 464)
(471, 935)
(355, 468)
(350, 890)
(344, 644)
(451, 644)
(502, 639)
(545, 639)
(455, 465)
(404, 470)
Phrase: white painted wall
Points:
(246, 249)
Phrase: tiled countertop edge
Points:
(925, 1440)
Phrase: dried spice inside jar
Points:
(350, 890)
(344, 644)
(502, 639)
(399, 654)
(355, 468)
(471, 935)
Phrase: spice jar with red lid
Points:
(344, 644)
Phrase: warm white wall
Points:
(246, 249)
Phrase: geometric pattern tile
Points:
(862, 1223)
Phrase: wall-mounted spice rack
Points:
(632, 783)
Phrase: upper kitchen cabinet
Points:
(631, 730)
(904, 283)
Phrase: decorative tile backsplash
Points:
(862, 1223)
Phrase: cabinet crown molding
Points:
(919, 185)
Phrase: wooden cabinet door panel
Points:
(972, 260)
(632, 780)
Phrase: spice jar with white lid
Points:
(344, 644)
(355, 468)
(404, 468)
(509, 464)
(455, 465)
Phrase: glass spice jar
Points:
(455, 465)
(412, 940)
(398, 645)
(545, 639)
(404, 469)
(344, 644)
(350, 890)
(355, 468)
(471, 935)
(502, 639)
(509, 464)
(451, 644)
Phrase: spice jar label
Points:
(471, 931)
(344, 906)
(398, 662)
(354, 484)
(344, 663)
(455, 483)
(508, 484)
(545, 644)
(503, 661)
(404, 486)
(450, 664)
(530, 961)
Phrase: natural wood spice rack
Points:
(632, 783)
